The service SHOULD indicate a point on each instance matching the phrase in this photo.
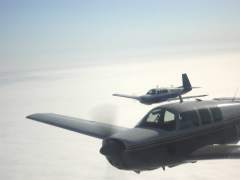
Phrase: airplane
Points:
(167, 136)
(158, 95)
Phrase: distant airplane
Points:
(169, 135)
(158, 95)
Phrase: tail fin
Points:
(186, 83)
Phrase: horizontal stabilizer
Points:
(228, 99)
(126, 96)
(91, 128)
(193, 87)
(188, 97)
(212, 152)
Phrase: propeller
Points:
(106, 113)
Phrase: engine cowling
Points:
(113, 150)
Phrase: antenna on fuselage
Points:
(235, 95)
(181, 99)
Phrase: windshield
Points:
(160, 118)
(152, 91)
(157, 91)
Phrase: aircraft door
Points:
(237, 126)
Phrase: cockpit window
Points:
(157, 91)
(160, 118)
(168, 116)
(154, 118)
(169, 121)
(152, 91)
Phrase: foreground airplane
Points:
(158, 95)
(169, 135)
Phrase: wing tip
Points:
(36, 115)
(31, 116)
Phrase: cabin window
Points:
(205, 116)
(164, 91)
(189, 119)
(153, 91)
(216, 114)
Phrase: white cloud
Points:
(31, 150)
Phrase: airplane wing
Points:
(188, 97)
(228, 99)
(90, 128)
(126, 96)
(213, 152)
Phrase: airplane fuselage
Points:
(158, 95)
(148, 146)
(162, 96)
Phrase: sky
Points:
(43, 34)
(69, 57)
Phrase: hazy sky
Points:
(68, 57)
(59, 33)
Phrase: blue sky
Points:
(49, 33)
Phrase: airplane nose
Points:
(111, 147)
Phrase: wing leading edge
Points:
(126, 96)
(90, 128)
